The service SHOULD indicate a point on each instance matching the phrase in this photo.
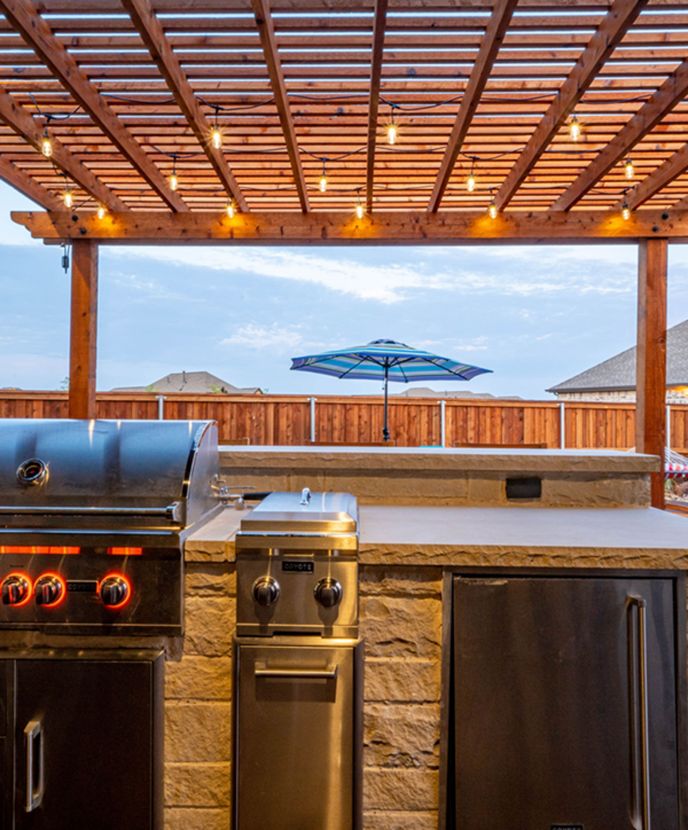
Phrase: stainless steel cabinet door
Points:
(85, 745)
(295, 733)
(565, 704)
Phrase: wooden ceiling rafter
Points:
(17, 178)
(672, 91)
(266, 31)
(23, 124)
(376, 57)
(26, 19)
(153, 35)
(490, 46)
(608, 35)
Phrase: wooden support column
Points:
(651, 357)
(83, 329)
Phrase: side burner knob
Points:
(49, 590)
(15, 590)
(114, 591)
(266, 591)
(328, 592)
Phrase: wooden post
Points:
(83, 329)
(650, 428)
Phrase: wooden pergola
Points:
(258, 122)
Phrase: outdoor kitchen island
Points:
(445, 514)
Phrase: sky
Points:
(534, 315)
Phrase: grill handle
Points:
(33, 738)
(298, 674)
(169, 512)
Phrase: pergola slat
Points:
(37, 33)
(491, 43)
(673, 90)
(268, 40)
(674, 166)
(153, 35)
(602, 44)
(19, 120)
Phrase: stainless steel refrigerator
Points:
(565, 710)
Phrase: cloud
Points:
(147, 288)
(254, 336)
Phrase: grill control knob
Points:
(15, 590)
(266, 591)
(114, 591)
(328, 592)
(49, 590)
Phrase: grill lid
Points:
(56, 473)
(306, 512)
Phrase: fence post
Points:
(668, 426)
(161, 407)
(562, 425)
(312, 403)
(443, 423)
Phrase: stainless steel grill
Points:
(93, 517)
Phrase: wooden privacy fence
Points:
(294, 419)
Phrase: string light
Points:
(101, 212)
(360, 210)
(392, 129)
(322, 184)
(628, 168)
(625, 211)
(575, 129)
(173, 179)
(46, 144)
(68, 198)
(470, 180)
(230, 209)
(216, 138)
(492, 209)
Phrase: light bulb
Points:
(492, 210)
(628, 168)
(626, 212)
(231, 210)
(46, 146)
(575, 129)
(392, 133)
(101, 211)
(322, 184)
(470, 183)
(216, 138)
(360, 211)
(68, 198)
(173, 181)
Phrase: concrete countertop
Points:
(438, 458)
(619, 537)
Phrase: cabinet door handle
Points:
(33, 739)
(641, 715)
(307, 674)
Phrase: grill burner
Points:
(93, 517)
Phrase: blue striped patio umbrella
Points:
(386, 360)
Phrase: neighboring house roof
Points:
(192, 383)
(427, 392)
(618, 372)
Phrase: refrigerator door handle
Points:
(303, 674)
(641, 712)
(33, 739)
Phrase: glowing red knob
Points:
(49, 590)
(114, 591)
(16, 590)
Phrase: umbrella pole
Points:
(385, 430)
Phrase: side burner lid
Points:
(305, 512)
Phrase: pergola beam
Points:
(610, 32)
(153, 35)
(28, 22)
(19, 120)
(268, 40)
(341, 228)
(491, 43)
(32, 189)
(377, 54)
(670, 93)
